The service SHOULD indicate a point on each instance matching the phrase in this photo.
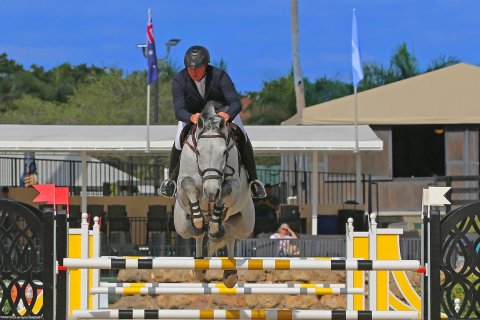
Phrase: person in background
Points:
(284, 232)
(268, 206)
(6, 193)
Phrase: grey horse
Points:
(213, 194)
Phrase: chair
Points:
(75, 216)
(265, 225)
(290, 214)
(116, 210)
(157, 220)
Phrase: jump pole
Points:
(217, 285)
(224, 291)
(240, 264)
(244, 314)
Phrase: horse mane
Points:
(209, 115)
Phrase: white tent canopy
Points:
(128, 139)
(131, 139)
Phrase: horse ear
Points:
(200, 123)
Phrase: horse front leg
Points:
(230, 277)
(196, 222)
(216, 230)
(199, 274)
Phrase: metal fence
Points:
(116, 177)
(165, 244)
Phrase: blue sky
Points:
(252, 36)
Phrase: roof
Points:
(446, 96)
(131, 139)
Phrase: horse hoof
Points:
(195, 232)
(230, 278)
(217, 236)
(200, 274)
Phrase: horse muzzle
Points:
(211, 190)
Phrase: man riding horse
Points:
(192, 87)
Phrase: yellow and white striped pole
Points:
(240, 264)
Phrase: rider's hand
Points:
(194, 117)
(224, 115)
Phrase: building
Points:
(429, 125)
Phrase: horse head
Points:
(213, 144)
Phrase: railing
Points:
(114, 177)
(465, 189)
(319, 246)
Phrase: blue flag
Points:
(357, 70)
(151, 54)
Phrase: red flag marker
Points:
(61, 196)
(46, 193)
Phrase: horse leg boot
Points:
(169, 186)
(215, 228)
(246, 151)
(195, 224)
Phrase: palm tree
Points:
(297, 71)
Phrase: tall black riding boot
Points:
(169, 186)
(246, 152)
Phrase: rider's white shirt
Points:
(201, 86)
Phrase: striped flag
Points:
(357, 70)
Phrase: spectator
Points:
(284, 232)
(6, 193)
(268, 206)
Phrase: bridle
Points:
(219, 175)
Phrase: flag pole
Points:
(357, 75)
(147, 150)
(152, 72)
(358, 159)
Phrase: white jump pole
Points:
(225, 291)
(349, 254)
(84, 254)
(372, 254)
(244, 314)
(240, 264)
(96, 253)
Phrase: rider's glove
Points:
(194, 117)
(224, 115)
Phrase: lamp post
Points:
(170, 43)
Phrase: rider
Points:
(192, 87)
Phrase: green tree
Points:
(32, 110)
(441, 62)
(274, 103)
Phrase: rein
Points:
(220, 175)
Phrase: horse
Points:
(213, 193)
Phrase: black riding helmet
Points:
(196, 56)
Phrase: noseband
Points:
(220, 175)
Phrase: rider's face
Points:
(197, 73)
